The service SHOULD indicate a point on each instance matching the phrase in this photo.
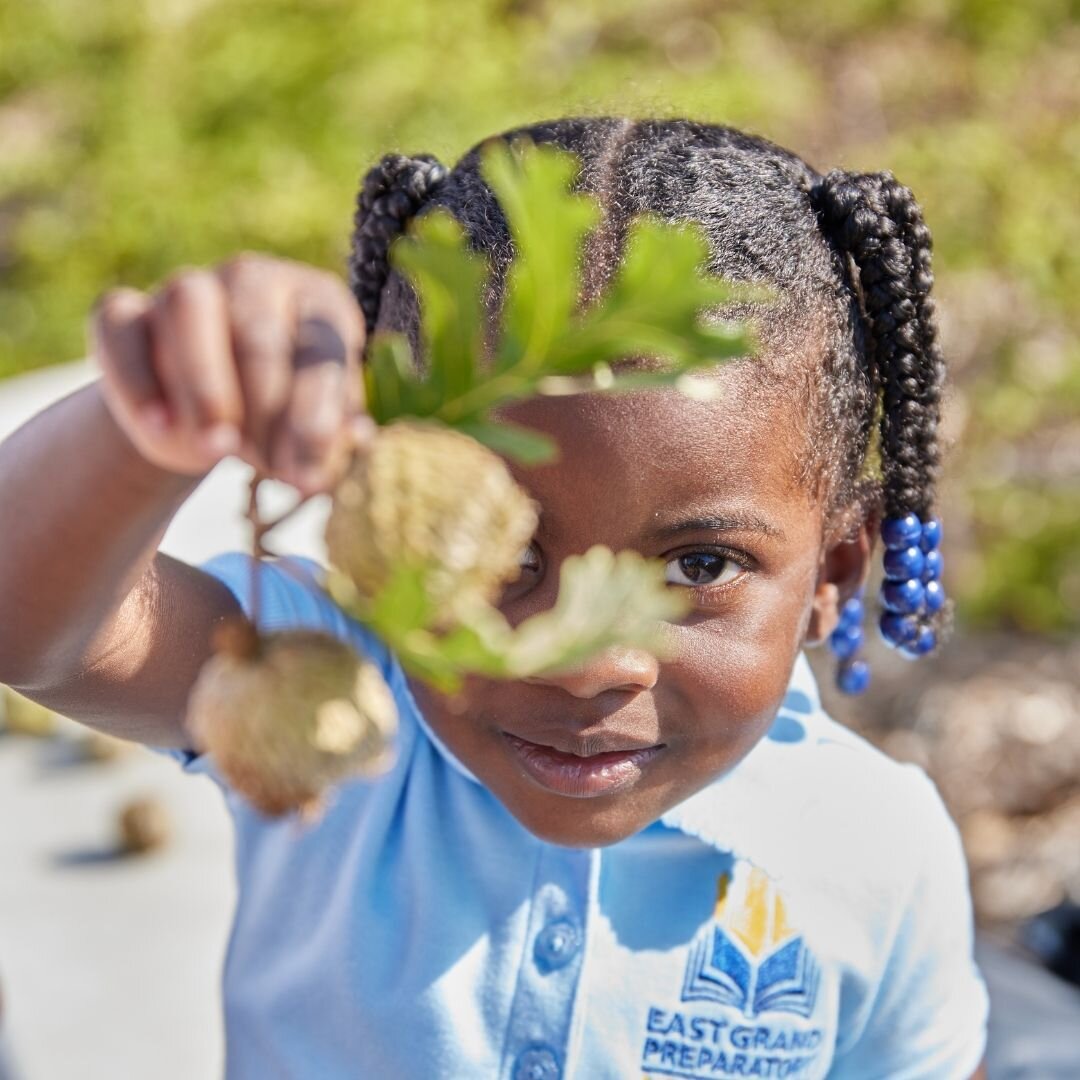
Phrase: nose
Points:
(615, 668)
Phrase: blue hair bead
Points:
(845, 641)
(933, 565)
(851, 614)
(925, 642)
(897, 630)
(904, 563)
(903, 597)
(931, 534)
(853, 677)
(901, 532)
(935, 597)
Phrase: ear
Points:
(844, 569)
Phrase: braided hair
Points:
(876, 221)
(848, 254)
(392, 192)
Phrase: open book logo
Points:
(749, 957)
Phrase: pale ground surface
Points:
(110, 968)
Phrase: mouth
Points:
(579, 775)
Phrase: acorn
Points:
(287, 715)
(144, 825)
(425, 498)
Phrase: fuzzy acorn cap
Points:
(292, 716)
(427, 498)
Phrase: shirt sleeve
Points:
(927, 1019)
(291, 597)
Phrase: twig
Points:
(258, 552)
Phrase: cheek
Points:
(735, 672)
(768, 619)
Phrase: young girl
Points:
(635, 868)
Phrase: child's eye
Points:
(698, 568)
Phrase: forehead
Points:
(649, 455)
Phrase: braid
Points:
(392, 192)
(878, 223)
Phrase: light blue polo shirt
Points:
(806, 915)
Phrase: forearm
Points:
(82, 514)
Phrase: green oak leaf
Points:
(449, 277)
(548, 226)
(604, 599)
(655, 307)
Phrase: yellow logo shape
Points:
(751, 909)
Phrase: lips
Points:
(609, 765)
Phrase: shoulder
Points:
(917, 1003)
(814, 801)
(847, 775)
(881, 825)
(891, 871)
(871, 871)
(287, 594)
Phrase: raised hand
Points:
(256, 357)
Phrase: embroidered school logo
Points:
(748, 967)
(750, 957)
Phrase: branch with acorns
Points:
(427, 526)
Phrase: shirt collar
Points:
(447, 754)
(711, 814)
(727, 814)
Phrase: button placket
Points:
(556, 944)
(537, 1063)
(541, 1015)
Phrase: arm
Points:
(97, 626)
(257, 358)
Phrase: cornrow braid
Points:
(876, 221)
(392, 192)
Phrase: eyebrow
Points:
(734, 522)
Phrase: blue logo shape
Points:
(749, 957)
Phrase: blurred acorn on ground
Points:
(425, 498)
(287, 715)
(144, 825)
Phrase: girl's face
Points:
(592, 756)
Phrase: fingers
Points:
(193, 358)
(259, 357)
(261, 318)
(326, 346)
(119, 338)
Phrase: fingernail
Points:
(219, 440)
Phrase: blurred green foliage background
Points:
(138, 135)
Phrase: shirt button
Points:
(556, 944)
(537, 1063)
